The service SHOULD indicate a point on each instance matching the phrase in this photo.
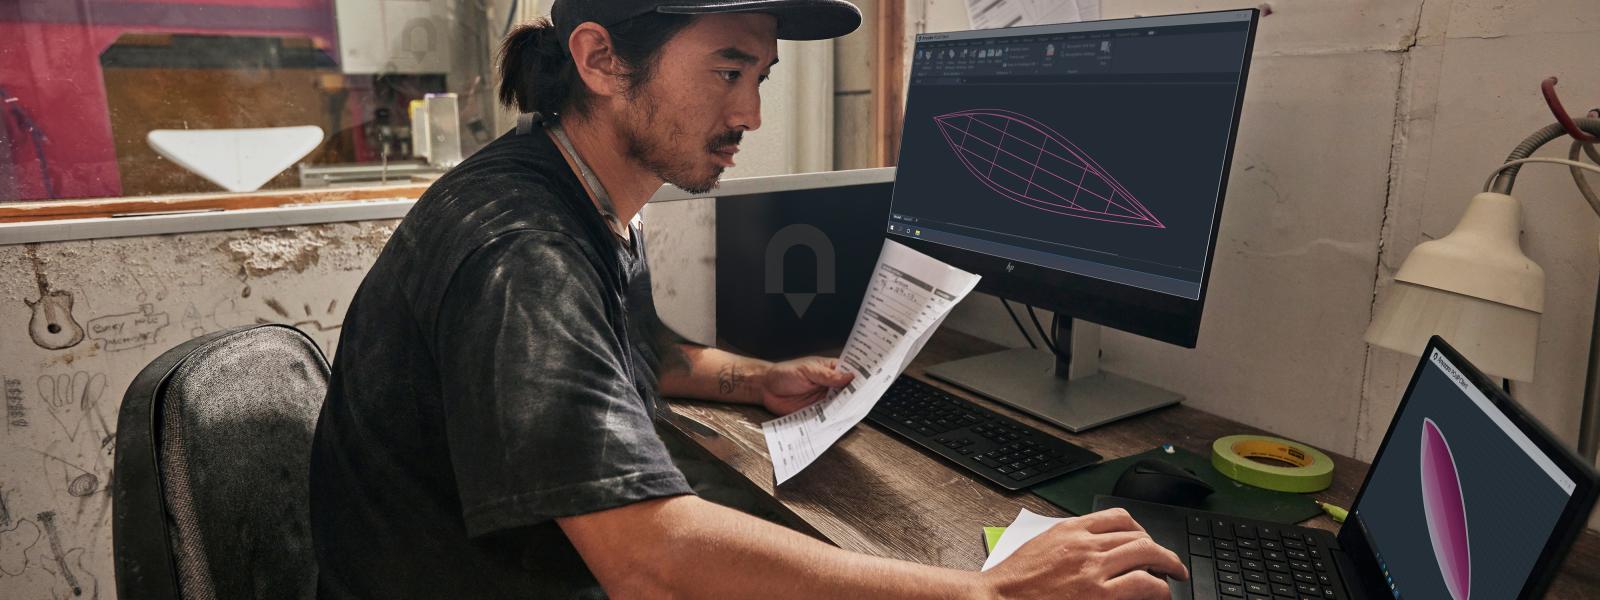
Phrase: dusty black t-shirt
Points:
(496, 370)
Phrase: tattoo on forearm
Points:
(730, 378)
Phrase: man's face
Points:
(685, 123)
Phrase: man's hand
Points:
(792, 385)
(1099, 555)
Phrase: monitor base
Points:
(1026, 380)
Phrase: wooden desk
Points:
(874, 494)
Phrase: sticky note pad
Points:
(990, 536)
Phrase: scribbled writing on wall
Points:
(75, 582)
(16, 412)
(131, 330)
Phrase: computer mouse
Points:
(1159, 481)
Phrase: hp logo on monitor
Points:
(1010, 267)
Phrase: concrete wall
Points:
(1367, 126)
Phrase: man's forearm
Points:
(728, 554)
(713, 374)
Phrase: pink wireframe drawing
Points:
(1444, 508)
(1028, 162)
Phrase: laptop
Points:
(1468, 497)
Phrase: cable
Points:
(1020, 328)
(1517, 164)
(1579, 178)
(36, 134)
(1052, 345)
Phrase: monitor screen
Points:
(1460, 500)
(1094, 150)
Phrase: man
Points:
(488, 428)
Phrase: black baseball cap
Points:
(797, 19)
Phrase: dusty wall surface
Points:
(132, 298)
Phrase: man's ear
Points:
(598, 64)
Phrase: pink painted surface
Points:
(1446, 511)
(50, 69)
(1029, 163)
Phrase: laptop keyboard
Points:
(1258, 562)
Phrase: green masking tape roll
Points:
(1307, 469)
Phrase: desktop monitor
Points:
(1078, 168)
(794, 255)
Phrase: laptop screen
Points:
(1460, 501)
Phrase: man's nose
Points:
(746, 113)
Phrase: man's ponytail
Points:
(535, 73)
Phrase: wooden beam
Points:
(16, 212)
(888, 81)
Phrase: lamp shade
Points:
(1474, 287)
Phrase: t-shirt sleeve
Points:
(541, 416)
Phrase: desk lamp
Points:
(1478, 290)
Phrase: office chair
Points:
(211, 495)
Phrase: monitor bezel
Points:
(1157, 315)
(1352, 536)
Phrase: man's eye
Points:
(729, 75)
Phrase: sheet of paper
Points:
(907, 298)
(1026, 527)
(991, 14)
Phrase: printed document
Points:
(1027, 526)
(909, 295)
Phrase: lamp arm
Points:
(1505, 178)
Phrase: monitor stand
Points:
(1073, 393)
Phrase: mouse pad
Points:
(1075, 491)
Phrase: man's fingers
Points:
(1145, 554)
(826, 372)
(1106, 541)
(1139, 585)
(1107, 521)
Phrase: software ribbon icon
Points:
(800, 234)
(1445, 509)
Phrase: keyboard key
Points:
(1248, 544)
(1304, 578)
(1256, 576)
(1023, 474)
(1297, 555)
(1221, 529)
(1225, 545)
(1300, 565)
(1244, 531)
(1280, 578)
(1267, 533)
(1308, 589)
(1271, 556)
(1250, 554)
(1232, 578)
(1227, 555)
(1199, 546)
(1198, 525)
(1231, 589)
(1257, 588)
(1231, 567)
(1271, 545)
(1282, 590)
(1296, 544)
(1253, 565)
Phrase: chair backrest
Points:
(211, 490)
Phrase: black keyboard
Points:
(1252, 560)
(1012, 455)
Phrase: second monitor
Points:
(1079, 168)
